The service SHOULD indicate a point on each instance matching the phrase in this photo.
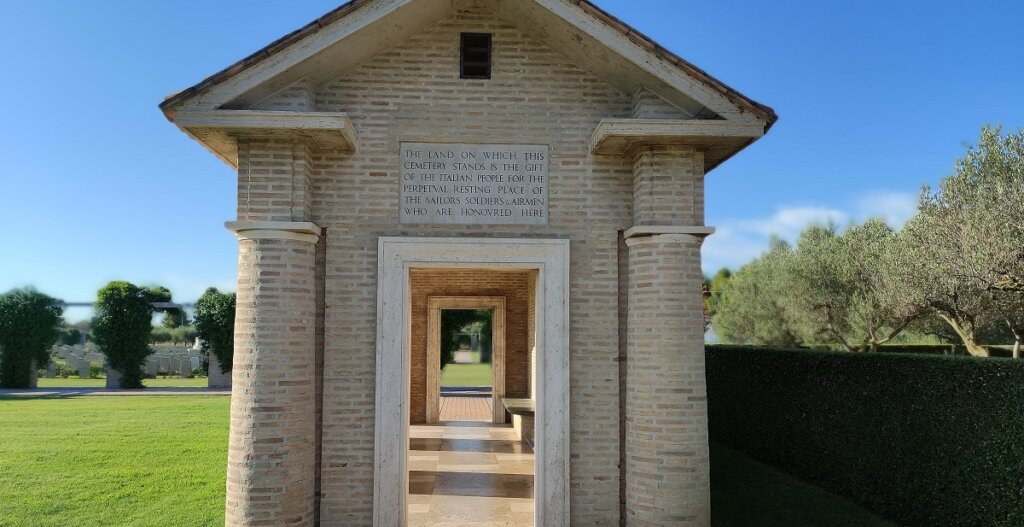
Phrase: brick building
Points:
(537, 151)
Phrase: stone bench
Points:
(522, 411)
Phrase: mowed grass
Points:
(466, 375)
(162, 382)
(747, 493)
(160, 461)
(113, 461)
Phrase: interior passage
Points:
(466, 408)
(464, 473)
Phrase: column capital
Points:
(641, 233)
(303, 231)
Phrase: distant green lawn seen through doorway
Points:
(466, 375)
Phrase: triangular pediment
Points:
(286, 74)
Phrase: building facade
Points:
(541, 144)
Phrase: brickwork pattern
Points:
(271, 451)
(649, 105)
(512, 285)
(667, 463)
(669, 187)
(274, 180)
(413, 93)
(295, 98)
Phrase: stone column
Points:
(666, 445)
(271, 456)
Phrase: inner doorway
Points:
(467, 365)
(475, 378)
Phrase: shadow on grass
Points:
(747, 493)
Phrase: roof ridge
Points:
(588, 6)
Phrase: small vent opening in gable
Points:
(476, 56)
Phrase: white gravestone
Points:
(467, 184)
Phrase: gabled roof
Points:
(578, 23)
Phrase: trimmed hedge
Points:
(924, 440)
(926, 349)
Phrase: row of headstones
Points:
(82, 357)
(179, 361)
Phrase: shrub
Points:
(29, 327)
(97, 372)
(62, 369)
(71, 337)
(124, 314)
(924, 440)
(215, 325)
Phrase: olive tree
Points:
(750, 309)
(962, 255)
(121, 328)
(1011, 310)
(215, 325)
(29, 326)
(837, 294)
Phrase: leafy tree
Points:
(161, 335)
(923, 274)
(215, 325)
(121, 329)
(71, 336)
(175, 318)
(29, 327)
(1011, 309)
(453, 321)
(715, 286)
(962, 255)
(837, 294)
(751, 308)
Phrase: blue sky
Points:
(875, 98)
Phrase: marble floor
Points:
(469, 474)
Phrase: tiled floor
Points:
(465, 409)
(469, 474)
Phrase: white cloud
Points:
(740, 240)
(894, 207)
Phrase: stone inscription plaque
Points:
(474, 184)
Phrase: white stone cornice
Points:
(641, 231)
(275, 230)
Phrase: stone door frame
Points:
(395, 258)
(435, 305)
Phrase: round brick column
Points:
(271, 453)
(667, 465)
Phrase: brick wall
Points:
(413, 93)
(462, 282)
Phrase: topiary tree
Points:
(121, 328)
(215, 325)
(29, 327)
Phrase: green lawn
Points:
(746, 493)
(158, 461)
(163, 382)
(106, 461)
(466, 375)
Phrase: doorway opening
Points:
(479, 473)
(475, 379)
(467, 365)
